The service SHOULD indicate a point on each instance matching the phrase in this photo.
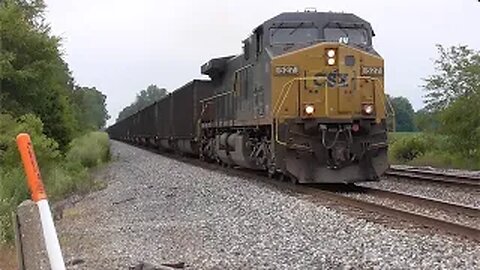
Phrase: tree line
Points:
(450, 94)
(143, 99)
(450, 120)
(406, 118)
(35, 79)
(39, 95)
(453, 98)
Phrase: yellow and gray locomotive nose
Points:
(331, 80)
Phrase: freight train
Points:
(304, 100)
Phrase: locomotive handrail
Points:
(283, 95)
(290, 83)
(236, 75)
(202, 101)
(243, 68)
(285, 92)
(375, 94)
(394, 124)
(216, 96)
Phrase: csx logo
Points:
(333, 79)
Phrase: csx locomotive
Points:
(304, 100)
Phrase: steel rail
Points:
(420, 200)
(446, 226)
(448, 178)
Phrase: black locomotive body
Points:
(305, 100)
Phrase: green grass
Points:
(62, 174)
(394, 136)
(427, 149)
(90, 150)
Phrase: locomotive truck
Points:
(304, 100)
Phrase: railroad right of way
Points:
(161, 210)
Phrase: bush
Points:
(428, 149)
(395, 136)
(408, 148)
(62, 174)
(461, 122)
(91, 149)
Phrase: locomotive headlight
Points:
(331, 61)
(309, 109)
(368, 108)
(331, 53)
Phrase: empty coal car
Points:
(305, 99)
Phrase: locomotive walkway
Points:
(161, 210)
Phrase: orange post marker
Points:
(34, 178)
(39, 196)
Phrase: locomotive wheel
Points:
(293, 180)
(271, 172)
(286, 177)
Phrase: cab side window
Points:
(258, 42)
(246, 49)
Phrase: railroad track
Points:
(423, 201)
(454, 209)
(434, 176)
(342, 198)
(321, 193)
(449, 227)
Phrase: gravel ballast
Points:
(160, 210)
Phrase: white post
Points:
(39, 196)
(50, 236)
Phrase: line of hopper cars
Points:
(304, 100)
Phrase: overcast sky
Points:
(122, 46)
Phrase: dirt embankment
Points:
(8, 258)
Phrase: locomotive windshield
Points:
(293, 35)
(346, 35)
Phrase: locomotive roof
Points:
(319, 19)
(215, 67)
